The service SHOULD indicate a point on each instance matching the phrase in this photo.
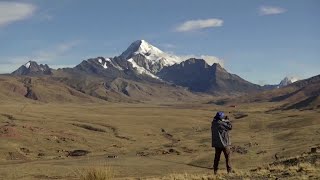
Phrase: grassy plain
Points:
(143, 140)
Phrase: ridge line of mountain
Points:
(143, 61)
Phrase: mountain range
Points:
(141, 73)
(302, 95)
(142, 61)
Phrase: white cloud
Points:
(168, 45)
(15, 11)
(271, 10)
(52, 54)
(193, 25)
(212, 59)
(209, 59)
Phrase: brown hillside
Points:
(41, 89)
(303, 94)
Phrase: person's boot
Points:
(230, 171)
(215, 172)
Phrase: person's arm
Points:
(226, 125)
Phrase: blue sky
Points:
(261, 41)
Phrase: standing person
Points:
(220, 128)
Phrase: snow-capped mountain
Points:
(152, 53)
(106, 67)
(33, 68)
(141, 62)
(147, 58)
(140, 58)
(287, 80)
(105, 63)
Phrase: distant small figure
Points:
(220, 128)
(112, 156)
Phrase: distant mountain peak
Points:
(150, 52)
(287, 80)
(32, 68)
(147, 48)
(28, 64)
(140, 47)
(147, 59)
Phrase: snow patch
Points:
(114, 65)
(105, 65)
(140, 69)
(28, 64)
(155, 55)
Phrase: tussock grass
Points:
(96, 173)
(306, 167)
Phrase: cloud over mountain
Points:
(208, 58)
(193, 25)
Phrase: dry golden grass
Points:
(96, 173)
(300, 171)
(36, 137)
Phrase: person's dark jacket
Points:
(220, 134)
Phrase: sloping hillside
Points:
(76, 87)
(303, 94)
(41, 89)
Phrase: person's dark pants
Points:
(226, 151)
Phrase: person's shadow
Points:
(197, 166)
(193, 165)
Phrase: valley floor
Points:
(143, 140)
